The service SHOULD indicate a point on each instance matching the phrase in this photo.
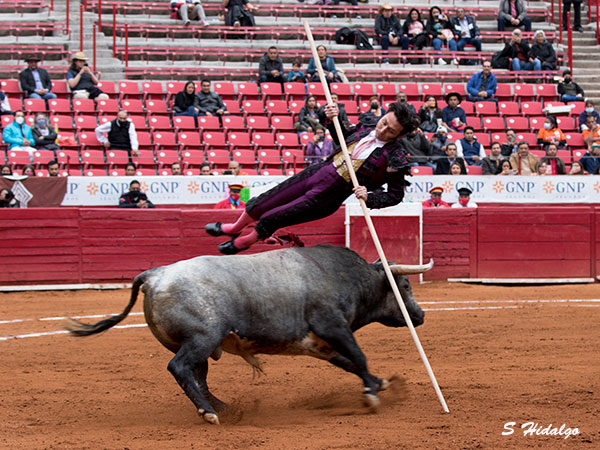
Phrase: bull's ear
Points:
(404, 269)
(377, 261)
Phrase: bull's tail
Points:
(77, 328)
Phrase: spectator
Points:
(591, 136)
(510, 146)
(444, 164)
(328, 66)
(296, 75)
(387, 29)
(402, 98)
(375, 112)
(8, 200)
(35, 81)
(235, 168)
(319, 148)
(506, 168)
(352, 2)
(205, 168)
(570, 91)
(551, 134)
(18, 134)
(490, 165)
(6, 170)
(588, 111)
(436, 199)
(185, 102)
(239, 13)
(188, 10)
(417, 146)
(576, 169)
(52, 167)
(130, 169)
(121, 134)
(543, 51)
(543, 169)
(342, 116)
(82, 80)
(469, 148)
(308, 117)
(233, 200)
(453, 116)
(270, 67)
(513, 13)
(577, 8)
(555, 164)
(482, 85)
(134, 198)
(456, 169)
(518, 49)
(4, 104)
(466, 32)
(438, 143)
(28, 170)
(413, 32)
(439, 31)
(209, 103)
(176, 169)
(464, 199)
(590, 161)
(44, 133)
(430, 115)
(523, 162)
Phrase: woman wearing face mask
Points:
(551, 134)
(18, 134)
(375, 112)
(588, 111)
(28, 170)
(430, 115)
(44, 134)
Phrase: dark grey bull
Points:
(295, 301)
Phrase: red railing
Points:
(570, 41)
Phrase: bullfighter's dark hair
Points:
(405, 117)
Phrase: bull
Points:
(294, 301)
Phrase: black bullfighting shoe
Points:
(214, 229)
(227, 248)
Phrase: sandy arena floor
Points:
(496, 361)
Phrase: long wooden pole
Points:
(380, 252)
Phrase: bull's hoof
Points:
(371, 401)
(211, 418)
(214, 229)
(227, 248)
(383, 384)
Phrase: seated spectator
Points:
(130, 169)
(387, 28)
(53, 168)
(468, 148)
(570, 91)
(543, 51)
(555, 165)
(577, 169)
(234, 168)
(490, 165)
(6, 170)
(588, 111)
(185, 102)
(435, 201)
(453, 116)
(327, 63)
(342, 116)
(176, 169)
(513, 13)
(35, 81)
(523, 162)
(233, 199)
(205, 168)
(375, 112)
(413, 32)
(209, 103)
(591, 136)
(296, 75)
(188, 10)
(239, 13)
(81, 79)
(319, 148)
(4, 105)
(438, 143)
(506, 168)
(456, 169)
(270, 67)
(44, 133)
(466, 32)
(430, 115)
(439, 32)
(18, 135)
(542, 170)
(121, 134)
(510, 146)
(551, 134)
(464, 199)
(444, 164)
(352, 2)
(401, 97)
(308, 117)
(28, 170)
(482, 85)
(8, 200)
(134, 198)
(416, 145)
(518, 49)
(591, 160)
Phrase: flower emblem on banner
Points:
(144, 187)
(549, 187)
(92, 188)
(448, 186)
(193, 187)
(597, 187)
(498, 186)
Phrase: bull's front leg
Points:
(348, 366)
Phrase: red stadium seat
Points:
(153, 90)
(263, 140)
(287, 140)
(566, 123)
(93, 172)
(244, 156)
(276, 107)
(350, 107)
(475, 122)
(363, 90)
(129, 90)
(504, 92)
(258, 123)
(530, 138)
(132, 106)
(139, 121)
(234, 123)
(386, 91)
(60, 106)
(271, 91)
(434, 89)
(15, 104)
(117, 157)
(67, 157)
(145, 172)
(517, 123)
(144, 158)
(577, 108)
(165, 157)
(531, 109)
(88, 123)
(217, 157)
(192, 157)
(88, 140)
(411, 90)
(282, 123)
(34, 105)
(269, 172)
(233, 106)
(485, 109)
(108, 87)
(316, 89)
(160, 123)
(455, 87)
(523, 92)
(248, 91)
(18, 157)
(575, 140)
(536, 123)
(62, 122)
(474, 170)
(483, 138)
(421, 170)
(292, 157)
(506, 108)
(269, 158)
(93, 158)
(84, 106)
(109, 106)
(11, 87)
(493, 123)
(164, 140)
(239, 140)
(209, 123)
(189, 140)
(343, 90)
(214, 140)
(157, 107)
(546, 92)
(294, 91)
(225, 89)
(253, 107)
(174, 87)
(184, 123)
(295, 106)
(42, 157)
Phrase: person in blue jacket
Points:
(328, 66)
(18, 135)
(482, 85)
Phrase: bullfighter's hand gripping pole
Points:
(374, 236)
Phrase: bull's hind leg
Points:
(348, 366)
(201, 373)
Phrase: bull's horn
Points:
(404, 269)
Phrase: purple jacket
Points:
(314, 153)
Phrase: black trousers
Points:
(567, 8)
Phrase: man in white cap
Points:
(464, 199)
(82, 80)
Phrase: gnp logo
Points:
(549, 187)
(448, 186)
(193, 187)
(597, 187)
(570, 187)
(498, 186)
(92, 188)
